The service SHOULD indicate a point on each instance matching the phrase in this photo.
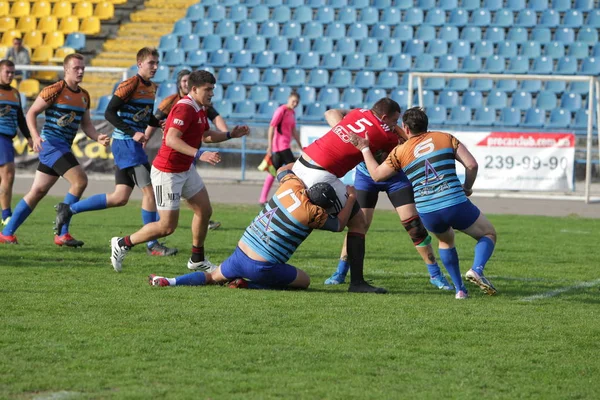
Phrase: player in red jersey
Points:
(331, 156)
(174, 175)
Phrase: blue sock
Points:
(93, 203)
(69, 199)
(22, 211)
(6, 213)
(343, 267)
(192, 279)
(434, 270)
(450, 259)
(147, 218)
(483, 251)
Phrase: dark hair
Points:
(386, 106)
(180, 75)
(294, 94)
(199, 78)
(323, 195)
(416, 120)
(146, 52)
(73, 56)
(7, 63)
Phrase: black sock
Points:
(197, 254)
(355, 243)
(125, 242)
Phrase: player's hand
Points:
(358, 142)
(468, 192)
(210, 157)
(163, 123)
(30, 144)
(351, 191)
(103, 139)
(269, 152)
(239, 131)
(37, 144)
(139, 137)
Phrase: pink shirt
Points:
(286, 118)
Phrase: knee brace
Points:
(417, 232)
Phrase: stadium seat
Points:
(300, 45)
(507, 49)
(225, 28)
(364, 79)
(380, 32)
(483, 49)
(354, 61)
(174, 57)
(561, 5)
(238, 13)
(587, 35)
(555, 86)
(438, 115)
(242, 58)
(559, 119)
(295, 77)
(332, 61)
(47, 24)
(303, 14)
(218, 58)
(459, 116)
(373, 95)
(244, 110)
(571, 101)
(448, 5)
(581, 88)
(538, 5)
(387, 80)
(204, 28)
(20, 9)
(195, 12)
(471, 34)
(484, 116)
(211, 43)
(307, 94)
(497, 99)
(391, 46)
(481, 17)
(413, 16)
(566, 35)
(503, 18)
(234, 43)
(328, 96)
(472, 99)
(325, 15)
(227, 76)
(556, 50)
(424, 63)
(282, 14)
(448, 33)
(494, 35)
(448, 98)
(32, 38)
(347, 15)
(458, 17)
(256, 44)
(266, 109)
(515, 5)
(29, 87)
(258, 93)
(166, 89)
(460, 48)
(403, 32)
(495, 64)
(531, 86)
(414, 47)
(471, 5)
(318, 78)
(225, 107)
(272, 77)
(526, 19)
(435, 16)
(286, 59)
(215, 12)
(341, 78)
(323, 45)
(269, 29)
(437, 47)
(83, 9)
(188, 43)
(26, 24)
(75, 41)
(235, 93)
(385, 4)
(377, 62)
(400, 96)
(309, 60)
(246, 29)
(541, 35)
(271, 3)
(90, 26)
(358, 3)
(549, 19)
(542, 65)
(590, 66)
(447, 63)
(400, 63)
(521, 100)
(196, 58)
(584, 5)
(458, 84)
(573, 19)
(69, 25)
(593, 19)
(353, 97)
(357, 31)
(314, 112)
(102, 104)
(42, 54)
(168, 42)
(566, 66)
(534, 118)
(518, 34)
(579, 50)
(162, 74)
(280, 94)
(546, 101)
(518, 65)
(509, 117)
(483, 84)
(531, 49)
(581, 119)
(507, 85)
(175, 71)
(471, 64)
(425, 33)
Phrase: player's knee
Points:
(80, 184)
(38, 192)
(492, 235)
(416, 230)
(120, 201)
(302, 280)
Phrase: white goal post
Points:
(594, 89)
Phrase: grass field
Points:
(73, 328)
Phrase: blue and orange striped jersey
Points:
(65, 112)
(10, 104)
(428, 160)
(287, 219)
(138, 96)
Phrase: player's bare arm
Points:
(173, 140)
(39, 106)
(296, 136)
(270, 133)
(344, 214)
(218, 137)
(335, 115)
(378, 172)
(90, 130)
(464, 156)
(220, 124)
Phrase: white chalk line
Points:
(556, 292)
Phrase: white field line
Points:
(574, 231)
(556, 292)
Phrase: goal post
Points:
(593, 93)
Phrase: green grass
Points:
(73, 328)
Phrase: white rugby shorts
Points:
(170, 187)
(311, 176)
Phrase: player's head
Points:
(7, 72)
(323, 195)
(147, 62)
(415, 121)
(201, 85)
(293, 100)
(388, 111)
(182, 81)
(74, 65)
(17, 43)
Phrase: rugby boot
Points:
(8, 239)
(117, 254)
(159, 249)
(212, 225)
(63, 215)
(364, 287)
(67, 240)
(204, 265)
(441, 282)
(461, 295)
(238, 283)
(484, 284)
(155, 280)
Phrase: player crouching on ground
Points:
(174, 174)
(259, 261)
(428, 160)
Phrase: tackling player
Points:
(165, 106)
(400, 193)
(331, 156)
(273, 237)
(175, 176)
(11, 118)
(428, 159)
(130, 112)
(66, 106)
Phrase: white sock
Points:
(172, 281)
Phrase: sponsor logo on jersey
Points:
(142, 114)
(66, 119)
(5, 110)
(177, 121)
(67, 97)
(342, 133)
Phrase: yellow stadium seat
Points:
(32, 39)
(41, 9)
(90, 26)
(26, 24)
(62, 52)
(54, 39)
(20, 9)
(83, 9)
(42, 54)
(8, 36)
(4, 8)
(48, 24)
(104, 10)
(3, 50)
(61, 9)
(68, 25)
(14, 83)
(45, 75)
(29, 87)
(7, 24)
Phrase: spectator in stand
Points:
(19, 55)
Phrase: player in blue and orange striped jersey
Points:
(11, 118)
(66, 106)
(130, 112)
(428, 160)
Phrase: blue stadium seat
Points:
(518, 65)
(515, 5)
(403, 32)
(341, 78)
(391, 46)
(195, 12)
(566, 35)
(264, 59)
(448, 33)
(358, 3)
(566, 66)
(380, 31)
(345, 46)
(572, 19)
(538, 5)
(266, 109)
(531, 86)
(313, 30)
(216, 12)
(335, 30)
(555, 50)
(425, 4)
(581, 119)
(227, 76)
(328, 96)
(369, 16)
(301, 45)
(400, 96)
(518, 34)
(483, 49)
(555, 86)
(166, 89)
(235, 93)
(218, 58)
(593, 19)
(448, 5)
(541, 35)
(272, 3)
(438, 115)
(561, 5)
(435, 16)
(590, 66)
(579, 50)
(286, 59)
(460, 116)
(291, 29)
(259, 13)
(546, 101)
(332, 61)
(483, 84)
(309, 60)
(364, 79)
(559, 119)
(414, 47)
(352, 97)
(437, 47)
(174, 57)
(102, 104)
(588, 35)
(472, 99)
(526, 19)
(318, 78)
(542, 65)
(391, 17)
(295, 77)
(281, 14)
(579, 87)
(507, 85)
(272, 77)
(484, 116)
(507, 49)
(471, 34)
(571, 101)
(521, 100)
(303, 14)
(584, 5)
(259, 94)
(204, 28)
(413, 16)
(382, 4)
(404, 4)
(182, 27)
(368, 46)
(195, 58)
(256, 44)
(277, 44)
(471, 64)
(374, 94)
(248, 76)
(425, 33)
(494, 35)
(458, 84)
(314, 112)
(492, 5)
(162, 74)
(347, 15)
(211, 43)
(280, 94)
(509, 116)
(549, 19)
(447, 63)
(534, 118)
(434, 83)
(354, 61)
(424, 63)
(238, 13)
(241, 58)
(269, 29)
(481, 17)
(208, 69)
(178, 69)
(387, 80)
(357, 31)
(308, 94)
(224, 106)
(75, 41)
(234, 43)
(460, 48)
(495, 64)
(190, 42)
(448, 98)
(244, 110)
(497, 99)
(377, 62)
(503, 18)
(168, 42)
(458, 17)
(401, 63)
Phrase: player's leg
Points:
(200, 205)
(7, 179)
(75, 175)
(449, 257)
